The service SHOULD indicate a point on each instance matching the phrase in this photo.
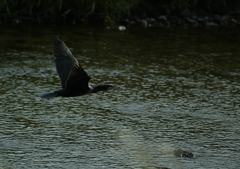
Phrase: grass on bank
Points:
(69, 10)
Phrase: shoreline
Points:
(194, 21)
(187, 21)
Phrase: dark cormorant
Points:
(74, 79)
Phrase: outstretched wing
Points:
(78, 80)
(64, 59)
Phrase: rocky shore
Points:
(194, 21)
(186, 21)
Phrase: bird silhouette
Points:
(74, 80)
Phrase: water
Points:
(179, 90)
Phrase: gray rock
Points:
(182, 153)
(201, 20)
(192, 22)
(233, 22)
(206, 18)
(17, 21)
(219, 20)
(226, 19)
(143, 22)
(194, 17)
(211, 24)
(151, 21)
(162, 18)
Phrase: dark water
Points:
(180, 89)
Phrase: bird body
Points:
(74, 80)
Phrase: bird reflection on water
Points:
(74, 80)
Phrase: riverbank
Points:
(208, 21)
(187, 21)
(161, 13)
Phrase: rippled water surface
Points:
(180, 89)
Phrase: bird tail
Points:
(49, 95)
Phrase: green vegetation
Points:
(78, 10)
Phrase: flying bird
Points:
(74, 80)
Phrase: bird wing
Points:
(64, 59)
(78, 80)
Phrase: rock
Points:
(192, 22)
(122, 28)
(206, 18)
(201, 21)
(163, 20)
(144, 23)
(127, 20)
(211, 24)
(181, 153)
(116, 27)
(17, 21)
(194, 17)
(226, 19)
(151, 21)
(219, 20)
(233, 22)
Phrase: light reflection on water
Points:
(179, 90)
